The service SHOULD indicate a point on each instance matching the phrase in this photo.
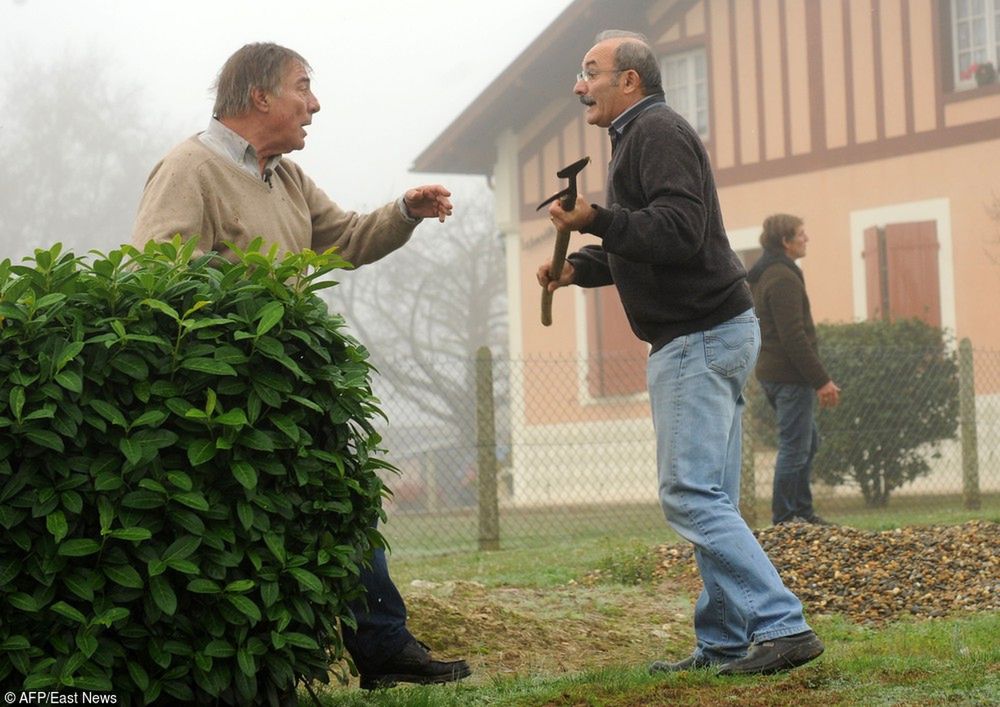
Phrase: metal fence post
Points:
(748, 474)
(967, 415)
(486, 441)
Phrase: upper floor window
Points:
(685, 84)
(975, 41)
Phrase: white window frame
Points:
(689, 107)
(988, 50)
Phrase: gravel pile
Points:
(874, 577)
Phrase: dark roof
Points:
(543, 70)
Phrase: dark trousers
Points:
(381, 631)
(798, 440)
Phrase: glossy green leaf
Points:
(245, 474)
(162, 307)
(56, 524)
(80, 547)
(109, 412)
(219, 648)
(270, 314)
(16, 400)
(131, 450)
(244, 606)
(182, 548)
(191, 499)
(131, 534)
(69, 380)
(15, 643)
(306, 579)
(69, 612)
(244, 512)
(240, 585)
(163, 595)
(208, 365)
(9, 569)
(300, 640)
(201, 451)
(87, 644)
(204, 586)
(139, 676)
(44, 438)
(125, 575)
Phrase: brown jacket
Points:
(789, 352)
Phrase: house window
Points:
(686, 87)
(975, 41)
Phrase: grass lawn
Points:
(944, 661)
(536, 635)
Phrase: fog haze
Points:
(390, 75)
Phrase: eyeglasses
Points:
(591, 74)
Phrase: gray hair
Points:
(635, 54)
(260, 65)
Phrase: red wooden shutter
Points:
(914, 285)
(901, 272)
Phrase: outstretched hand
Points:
(430, 201)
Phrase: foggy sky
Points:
(390, 75)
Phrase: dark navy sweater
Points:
(664, 245)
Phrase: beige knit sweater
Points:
(195, 192)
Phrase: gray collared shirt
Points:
(230, 145)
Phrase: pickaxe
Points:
(567, 199)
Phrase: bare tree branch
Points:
(424, 311)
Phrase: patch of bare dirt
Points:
(526, 631)
(870, 577)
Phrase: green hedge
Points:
(188, 474)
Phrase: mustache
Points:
(587, 101)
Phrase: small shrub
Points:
(899, 402)
(188, 482)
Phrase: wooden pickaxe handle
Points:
(567, 199)
(555, 270)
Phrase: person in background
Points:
(664, 247)
(232, 183)
(789, 368)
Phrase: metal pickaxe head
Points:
(567, 195)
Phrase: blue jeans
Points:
(798, 440)
(696, 392)
(381, 631)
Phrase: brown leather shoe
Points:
(689, 663)
(414, 664)
(776, 655)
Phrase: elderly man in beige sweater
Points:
(231, 184)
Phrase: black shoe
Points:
(692, 662)
(414, 664)
(814, 520)
(776, 655)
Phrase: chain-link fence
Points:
(560, 447)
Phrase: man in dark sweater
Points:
(789, 369)
(664, 246)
